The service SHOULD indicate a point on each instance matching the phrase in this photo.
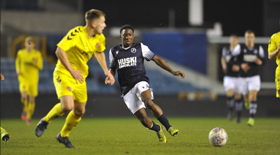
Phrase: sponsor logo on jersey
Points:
(133, 50)
(58, 79)
(127, 62)
(249, 58)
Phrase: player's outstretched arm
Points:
(100, 57)
(160, 62)
(62, 56)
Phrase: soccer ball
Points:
(218, 137)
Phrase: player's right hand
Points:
(225, 69)
(235, 68)
(245, 67)
(178, 73)
(77, 76)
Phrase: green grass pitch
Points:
(115, 136)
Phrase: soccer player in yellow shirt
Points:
(273, 53)
(4, 134)
(73, 52)
(28, 63)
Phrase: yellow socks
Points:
(24, 104)
(55, 112)
(70, 123)
(30, 111)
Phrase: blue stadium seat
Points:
(160, 83)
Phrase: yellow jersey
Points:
(29, 69)
(273, 43)
(79, 48)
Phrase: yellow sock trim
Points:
(0, 128)
(55, 112)
(70, 123)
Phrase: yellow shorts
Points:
(65, 85)
(30, 88)
(277, 81)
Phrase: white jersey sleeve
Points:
(147, 53)
(111, 60)
(236, 51)
(224, 52)
(261, 52)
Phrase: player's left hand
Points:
(109, 79)
(245, 67)
(258, 61)
(178, 73)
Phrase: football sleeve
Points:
(101, 44)
(18, 61)
(112, 60)
(236, 51)
(261, 55)
(224, 52)
(272, 46)
(147, 53)
(68, 41)
(39, 63)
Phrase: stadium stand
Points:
(95, 81)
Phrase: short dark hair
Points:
(126, 26)
(249, 31)
(93, 14)
(233, 35)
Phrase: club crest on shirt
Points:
(255, 51)
(133, 50)
(245, 50)
(117, 52)
(97, 45)
(69, 88)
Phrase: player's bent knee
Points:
(67, 108)
(150, 105)
(79, 113)
(148, 101)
